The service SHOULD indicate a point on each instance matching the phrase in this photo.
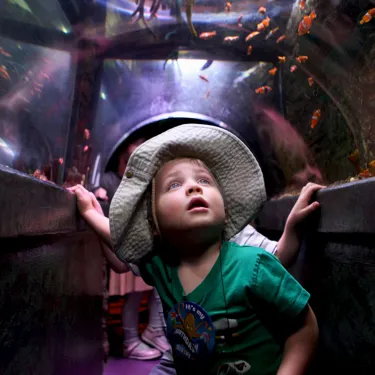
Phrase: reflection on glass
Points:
(47, 14)
(136, 90)
(36, 87)
(218, 13)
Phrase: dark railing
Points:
(51, 282)
(336, 264)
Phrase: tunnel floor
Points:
(127, 366)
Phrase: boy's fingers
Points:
(316, 187)
(309, 191)
(309, 209)
(80, 192)
(313, 187)
(94, 200)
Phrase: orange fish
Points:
(305, 25)
(86, 133)
(302, 4)
(315, 118)
(264, 24)
(272, 32)
(4, 72)
(204, 78)
(85, 149)
(252, 35)
(371, 167)
(239, 20)
(280, 38)
(272, 71)
(310, 80)
(368, 16)
(5, 53)
(302, 59)
(354, 159)
(365, 174)
(207, 94)
(293, 68)
(263, 90)
(207, 35)
(354, 156)
(249, 50)
(61, 161)
(228, 7)
(282, 59)
(262, 10)
(230, 38)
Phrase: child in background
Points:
(153, 342)
(220, 296)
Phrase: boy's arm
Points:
(100, 224)
(278, 291)
(300, 346)
(288, 245)
(92, 212)
(113, 261)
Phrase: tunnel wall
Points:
(51, 285)
(336, 264)
(51, 282)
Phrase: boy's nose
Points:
(196, 189)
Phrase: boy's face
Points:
(187, 198)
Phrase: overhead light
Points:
(64, 29)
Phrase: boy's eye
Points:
(204, 181)
(174, 185)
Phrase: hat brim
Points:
(228, 158)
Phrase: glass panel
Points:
(322, 128)
(36, 92)
(47, 14)
(136, 90)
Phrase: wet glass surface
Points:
(47, 14)
(297, 76)
(36, 91)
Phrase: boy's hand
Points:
(302, 208)
(86, 201)
(96, 204)
(101, 193)
(91, 211)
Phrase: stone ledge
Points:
(348, 208)
(30, 207)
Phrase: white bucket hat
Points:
(228, 158)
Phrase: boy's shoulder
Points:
(245, 256)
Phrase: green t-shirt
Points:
(250, 298)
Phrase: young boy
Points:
(232, 309)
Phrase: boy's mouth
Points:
(197, 202)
